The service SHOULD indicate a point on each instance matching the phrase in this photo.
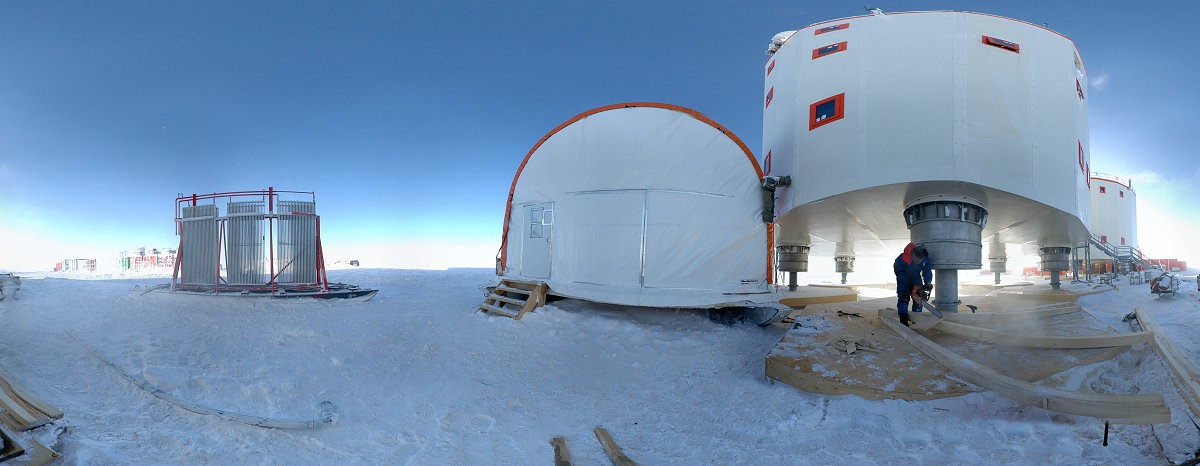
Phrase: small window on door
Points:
(535, 222)
(547, 217)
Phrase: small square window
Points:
(1104, 239)
(1122, 241)
(1102, 190)
(1122, 193)
(836, 27)
(770, 95)
(828, 50)
(1003, 44)
(826, 111)
(770, 66)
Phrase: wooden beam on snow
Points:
(1183, 370)
(1119, 409)
(562, 456)
(1039, 341)
(610, 447)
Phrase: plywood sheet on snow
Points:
(812, 356)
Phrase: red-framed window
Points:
(770, 95)
(1121, 192)
(1003, 44)
(1122, 241)
(767, 162)
(828, 50)
(770, 66)
(1080, 144)
(835, 27)
(826, 111)
(1079, 89)
(1103, 239)
(1102, 190)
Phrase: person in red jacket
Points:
(912, 271)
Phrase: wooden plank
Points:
(1119, 409)
(812, 300)
(525, 286)
(507, 289)
(562, 456)
(979, 317)
(496, 310)
(9, 448)
(28, 397)
(41, 454)
(1037, 341)
(18, 417)
(505, 299)
(1185, 373)
(610, 447)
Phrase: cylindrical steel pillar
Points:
(951, 229)
(945, 290)
(1055, 260)
(792, 258)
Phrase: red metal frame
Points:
(770, 94)
(1002, 44)
(838, 47)
(270, 195)
(770, 66)
(836, 27)
(839, 111)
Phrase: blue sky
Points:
(409, 118)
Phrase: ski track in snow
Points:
(417, 376)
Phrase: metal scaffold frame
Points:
(204, 233)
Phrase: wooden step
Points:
(522, 297)
(496, 310)
(504, 299)
(513, 290)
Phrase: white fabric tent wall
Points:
(652, 205)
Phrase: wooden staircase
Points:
(513, 298)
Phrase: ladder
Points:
(513, 298)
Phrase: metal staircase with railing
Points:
(1126, 254)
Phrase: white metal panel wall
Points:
(296, 252)
(200, 250)
(927, 100)
(245, 243)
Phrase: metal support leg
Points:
(945, 290)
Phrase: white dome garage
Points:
(642, 204)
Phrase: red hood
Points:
(907, 256)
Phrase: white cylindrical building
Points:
(946, 128)
(1114, 214)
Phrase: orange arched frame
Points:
(692, 113)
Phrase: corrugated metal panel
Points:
(200, 250)
(296, 254)
(245, 243)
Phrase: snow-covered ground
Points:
(417, 376)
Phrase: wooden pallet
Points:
(513, 298)
(21, 409)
